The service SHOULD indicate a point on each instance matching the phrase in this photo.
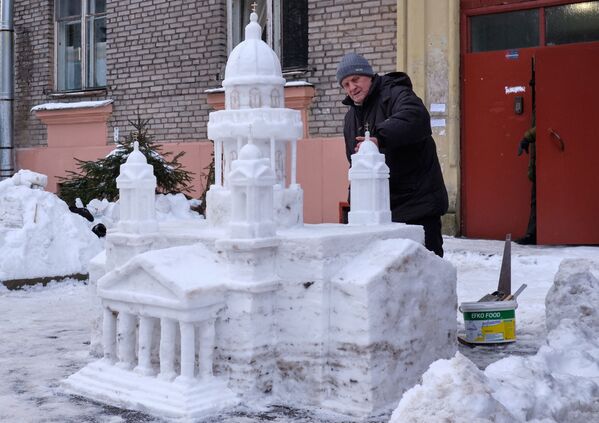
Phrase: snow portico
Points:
(252, 305)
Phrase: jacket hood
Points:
(393, 79)
(389, 80)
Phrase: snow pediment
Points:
(367, 168)
(137, 173)
(185, 276)
(252, 172)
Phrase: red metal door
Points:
(568, 178)
(495, 187)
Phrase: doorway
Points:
(545, 62)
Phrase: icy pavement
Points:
(44, 336)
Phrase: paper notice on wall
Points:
(437, 108)
(438, 123)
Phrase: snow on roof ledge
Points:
(75, 105)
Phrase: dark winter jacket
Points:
(396, 116)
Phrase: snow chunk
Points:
(175, 207)
(169, 207)
(574, 294)
(26, 178)
(452, 390)
(559, 383)
(39, 236)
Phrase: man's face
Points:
(357, 87)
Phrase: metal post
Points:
(6, 89)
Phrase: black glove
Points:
(523, 146)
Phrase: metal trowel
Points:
(504, 287)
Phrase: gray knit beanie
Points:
(353, 64)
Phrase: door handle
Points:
(558, 139)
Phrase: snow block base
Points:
(179, 400)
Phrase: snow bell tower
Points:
(255, 113)
(369, 178)
(137, 186)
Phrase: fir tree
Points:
(97, 179)
(209, 177)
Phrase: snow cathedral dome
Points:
(253, 76)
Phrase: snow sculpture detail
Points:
(251, 187)
(254, 112)
(369, 177)
(137, 190)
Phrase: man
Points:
(400, 125)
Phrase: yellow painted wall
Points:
(428, 50)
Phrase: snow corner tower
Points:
(369, 178)
(137, 186)
(255, 114)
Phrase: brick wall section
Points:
(33, 67)
(337, 27)
(162, 55)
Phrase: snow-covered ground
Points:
(45, 334)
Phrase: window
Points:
(284, 28)
(80, 44)
(576, 22)
(502, 31)
(572, 23)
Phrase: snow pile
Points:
(39, 236)
(454, 391)
(574, 294)
(176, 207)
(169, 207)
(558, 384)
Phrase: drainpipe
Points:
(6, 90)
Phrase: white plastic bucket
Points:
(490, 322)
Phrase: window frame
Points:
(470, 8)
(83, 20)
(274, 31)
(273, 8)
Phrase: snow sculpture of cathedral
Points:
(253, 306)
